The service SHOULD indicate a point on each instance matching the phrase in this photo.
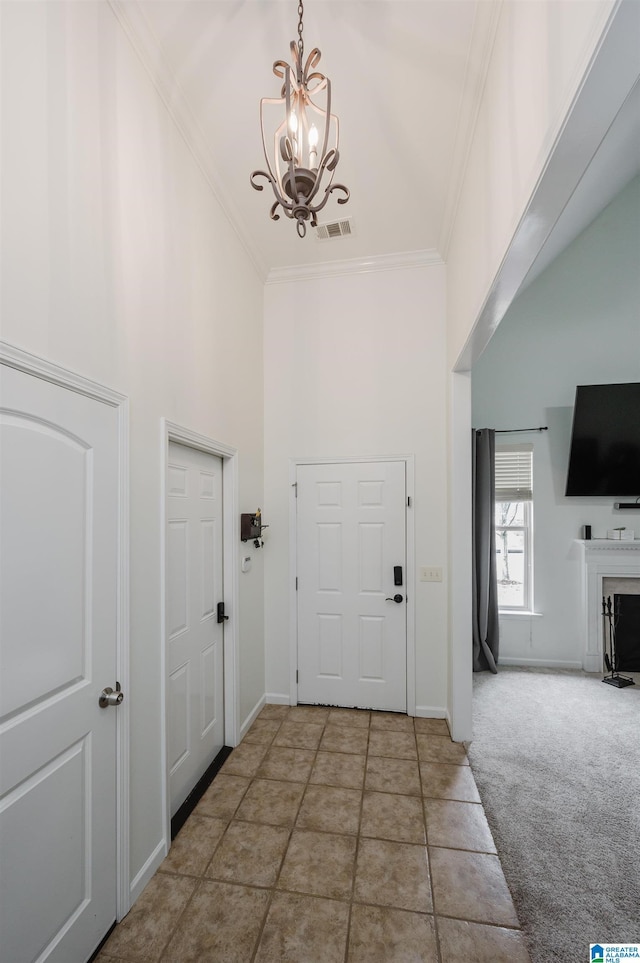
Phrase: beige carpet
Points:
(556, 756)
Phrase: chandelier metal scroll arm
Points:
(327, 125)
(296, 60)
(260, 187)
(322, 82)
(279, 68)
(273, 169)
(312, 62)
(330, 189)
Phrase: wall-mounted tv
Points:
(605, 441)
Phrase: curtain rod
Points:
(511, 431)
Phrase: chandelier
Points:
(304, 153)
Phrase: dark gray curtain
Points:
(485, 589)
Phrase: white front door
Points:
(58, 625)
(194, 636)
(351, 547)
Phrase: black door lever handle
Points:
(396, 598)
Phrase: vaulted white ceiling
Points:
(406, 76)
(407, 79)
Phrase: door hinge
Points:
(408, 501)
(296, 583)
(295, 488)
(296, 676)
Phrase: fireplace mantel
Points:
(602, 558)
(608, 545)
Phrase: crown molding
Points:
(130, 15)
(366, 265)
(483, 38)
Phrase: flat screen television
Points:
(605, 441)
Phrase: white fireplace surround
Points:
(602, 559)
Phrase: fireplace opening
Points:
(626, 610)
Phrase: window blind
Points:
(514, 473)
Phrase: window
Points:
(514, 527)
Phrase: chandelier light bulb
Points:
(313, 147)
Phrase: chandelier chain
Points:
(300, 27)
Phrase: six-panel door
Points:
(194, 637)
(350, 538)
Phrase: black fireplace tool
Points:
(611, 657)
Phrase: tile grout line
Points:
(174, 929)
(436, 931)
(358, 839)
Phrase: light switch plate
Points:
(430, 573)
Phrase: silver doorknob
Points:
(109, 697)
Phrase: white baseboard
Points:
(431, 712)
(251, 718)
(147, 871)
(276, 699)
(592, 663)
(538, 663)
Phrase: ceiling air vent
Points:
(342, 228)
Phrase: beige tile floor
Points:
(330, 836)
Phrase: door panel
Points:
(58, 624)
(350, 535)
(195, 639)
(177, 582)
(371, 662)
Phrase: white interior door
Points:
(58, 625)
(194, 636)
(351, 535)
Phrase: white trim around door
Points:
(409, 462)
(185, 436)
(38, 367)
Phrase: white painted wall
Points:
(118, 263)
(355, 365)
(576, 324)
(541, 51)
